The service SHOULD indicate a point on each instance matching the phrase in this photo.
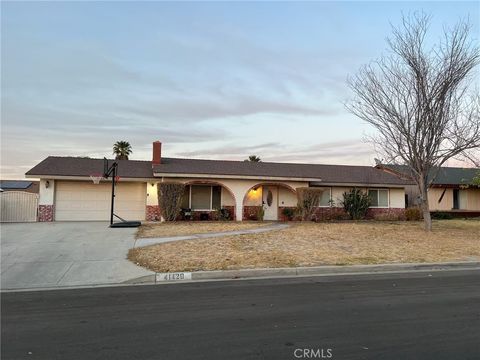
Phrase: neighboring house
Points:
(67, 193)
(19, 185)
(18, 200)
(451, 190)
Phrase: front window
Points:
(326, 196)
(378, 197)
(202, 197)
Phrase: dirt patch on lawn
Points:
(313, 244)
(193, 227)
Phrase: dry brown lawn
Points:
(192, 227)
(313, 244)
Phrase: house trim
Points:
(87, 178)
(239, 177)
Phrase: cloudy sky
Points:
(210, 80)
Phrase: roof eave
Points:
(238, 177)
(83, 178)
(371, 185)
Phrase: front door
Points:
(270, 202)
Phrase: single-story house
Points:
(242, 188)
(451, 190)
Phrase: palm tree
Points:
(253, 158)
(121, 150)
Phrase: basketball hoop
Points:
(96, 178)
(117, 178)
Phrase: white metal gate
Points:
(18, 206)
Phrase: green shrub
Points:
(170, 199)
(224, 214)
(308, 199)
(289, 213)
(356, 203)
(438, 215)
(413, 214)
(260, 213)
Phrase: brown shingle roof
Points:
(327, 173)
(73, 166)
(444, 175)
(76, 166)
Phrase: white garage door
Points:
(79, 200)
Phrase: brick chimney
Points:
(157, 153)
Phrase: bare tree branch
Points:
(420, 100)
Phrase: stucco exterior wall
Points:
(446, 204)
(413, 195)
(253, 197)
(473, 199)
(227, 198)
(152, 194)
(469, 199)
(337, 195)
(397, 198)
(286, 197)
(46, 195)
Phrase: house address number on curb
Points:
(179, 276)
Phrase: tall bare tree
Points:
(421, 100)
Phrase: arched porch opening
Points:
(266, 201)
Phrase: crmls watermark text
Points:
(313, 353)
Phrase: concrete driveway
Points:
(39, 255)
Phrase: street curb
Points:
(252, 274)
(312, 271)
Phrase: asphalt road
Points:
(404, 316)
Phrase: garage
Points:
(85, 201)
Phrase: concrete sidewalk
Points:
(160, 240)
(59, 254)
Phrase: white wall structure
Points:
(18, 206)
(152, 193)
(47, 192)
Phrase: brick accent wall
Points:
(152, 213)
(231, 209)
(337, 213)
(331, 213)
(45, 213)
(213, 215)
(386, 214)
(251, 212)
(282, 217)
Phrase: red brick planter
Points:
(337, 213)
(152, 213)
(251, 212)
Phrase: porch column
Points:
(152, 211)
(46, 211)
(239, 208)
